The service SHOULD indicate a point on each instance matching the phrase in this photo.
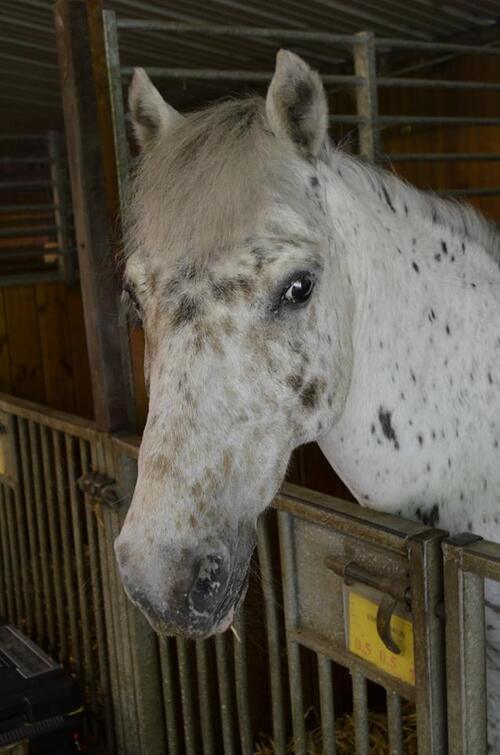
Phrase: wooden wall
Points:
(43, 350)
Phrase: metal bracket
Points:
(393, 592)
(99, 488)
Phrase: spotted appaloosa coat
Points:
(291, 293)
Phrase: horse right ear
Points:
(152, 117)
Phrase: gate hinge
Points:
(99, 488)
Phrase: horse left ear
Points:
(296, 105)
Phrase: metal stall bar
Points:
(43, 542)
(426, 581)
(327, 707)
(187, 696)
(8, 604)
(225, 693)
(465, 649)
(143, 642)
(241, 681)
(365, 66)
(286, 545)
(169, 700)
(273, 634)
(204, 685)
(394, 723)
(360, 712)
(444, 157)
(61, 214)
(98, 622)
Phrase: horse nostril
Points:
(211, 576)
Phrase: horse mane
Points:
(461, 219)
(205, 182)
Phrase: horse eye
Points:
(299, 291)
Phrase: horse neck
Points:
(420, 341)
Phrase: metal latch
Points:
(393, 591)
(99, 488)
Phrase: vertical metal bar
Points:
(121, 626)
(169, 697)
(60, 191)
(67, 551)
(326, 704)
(241, 680)
(15, 554)
(290, 593)
(109, 618)
(4, 550)
(61, 645)
(116, 99)
(77, 522)
(187, 697)
(98, 602)
(225, 693)
(30, 519)
(426, 580)
(143, 641)
(48, 602)
(20, 523)
(365, 64)
(360, 713)
(7, 570)
(394, 723)
(465, 654)
(204, 685)
(273, 635)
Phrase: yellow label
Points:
(364, 639)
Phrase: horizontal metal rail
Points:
(41, 230)
(132, 24)
(28, 279)
(445, 120)
(493, 191)
(25, 207)
(487, 86)
(442, 157)
(38, 252)
(211, 74)
(24, 185)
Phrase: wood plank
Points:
(5, 373)
(24, 343)
(86, 112)
(55, 344)
(84, 405)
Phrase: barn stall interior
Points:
(418, 92)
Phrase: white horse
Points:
(291, 293)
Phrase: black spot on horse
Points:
(387, 198)
(385, 419)
(444, 247)
(429, 517)
(415, 267)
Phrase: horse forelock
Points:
(204, 184)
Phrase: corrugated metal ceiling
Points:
(29, 84)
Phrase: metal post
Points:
(116, 99)
(426, 580)
(93, 171)
(60, 191)
(465, 654)
(365, 65)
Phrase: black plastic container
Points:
(39, 700)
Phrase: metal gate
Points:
(64, 491)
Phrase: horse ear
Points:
(296, 105)
(151, 116)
